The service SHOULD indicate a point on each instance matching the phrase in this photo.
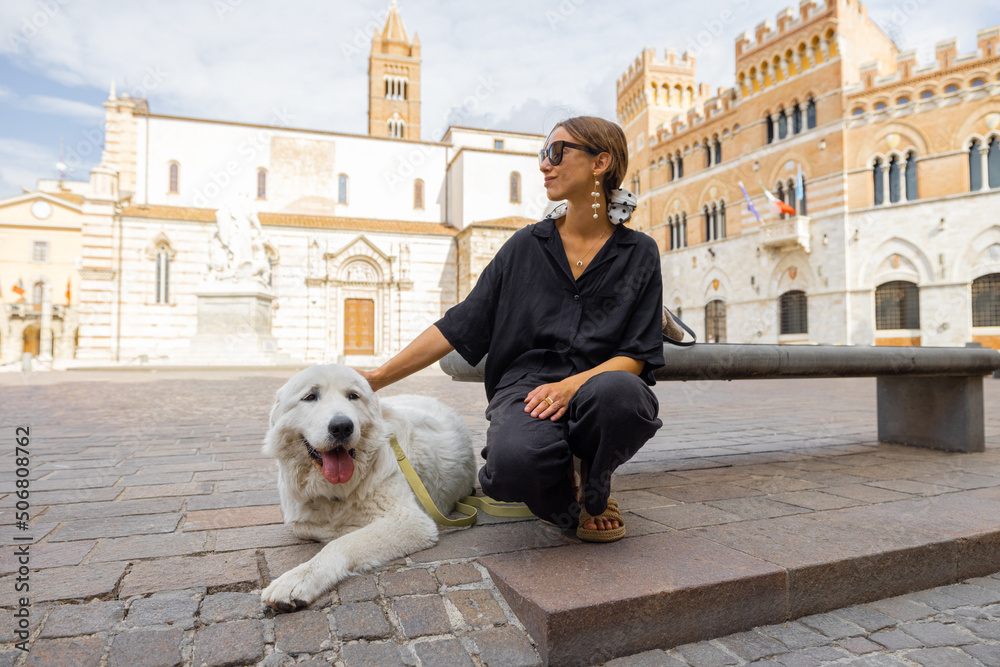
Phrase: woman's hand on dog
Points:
(559, 392)
(368, 375)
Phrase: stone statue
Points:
(237, 250)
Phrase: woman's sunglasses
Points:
(554, 151)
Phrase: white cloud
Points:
(22, 163)
(57, 106)
(241, 60)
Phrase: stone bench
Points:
(928, 397)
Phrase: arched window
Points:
(670, 164)
(780, 194)
(684, 230)
(879, 185)
(722, 220)
(902, 100)
(811, 114)
(801, 196)
(770, 129)
(38, 292)
(162, 273)
(680, 166)
(993, 160)
(857, 112)
(673, 232)
(975, 167)
(418, 193)
(715, 321)
(911, 176)
(977, 83)
(708, 155)
(927, 94)
(718, 152)
(897, 306)
(986, 301)
(782, 124)
(515, 187)
(708, 224)
(951, 89)
(894, 180)
(342, 186)
(261, 184)
(172, 185)
(796, 119)
(794, 312)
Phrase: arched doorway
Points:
(715, 321)
(32, 339)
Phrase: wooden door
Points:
(359, 326)
(32, 336)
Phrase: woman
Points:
(569, 311)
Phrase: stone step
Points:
(588, 603)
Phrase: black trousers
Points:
(527, 459)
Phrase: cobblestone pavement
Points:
(949, 626)
(154, 525)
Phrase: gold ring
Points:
(549, 400)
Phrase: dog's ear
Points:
(279, 401)
(275, 411)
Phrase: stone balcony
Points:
(787, 234)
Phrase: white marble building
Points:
(360, 235)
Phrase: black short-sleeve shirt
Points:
(533, 318)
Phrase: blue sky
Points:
(248, 60)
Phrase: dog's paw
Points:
(295, 589)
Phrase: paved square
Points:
(154, 525)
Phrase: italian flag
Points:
(779, 206)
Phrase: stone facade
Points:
(39, 243)
(829, 94)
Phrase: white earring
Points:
(596, 193)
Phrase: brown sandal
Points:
(596, 535)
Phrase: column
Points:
(984, 165)
(45, 326)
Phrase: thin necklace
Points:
(580, 261)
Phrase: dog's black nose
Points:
(340, 428)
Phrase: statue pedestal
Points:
(234, 327)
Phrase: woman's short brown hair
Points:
(607, 137)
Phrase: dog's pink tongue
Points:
(338, 466)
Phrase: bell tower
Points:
(394, 81)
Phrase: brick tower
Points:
(394, 81)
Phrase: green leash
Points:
(466, 505)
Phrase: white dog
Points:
(339, 481)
